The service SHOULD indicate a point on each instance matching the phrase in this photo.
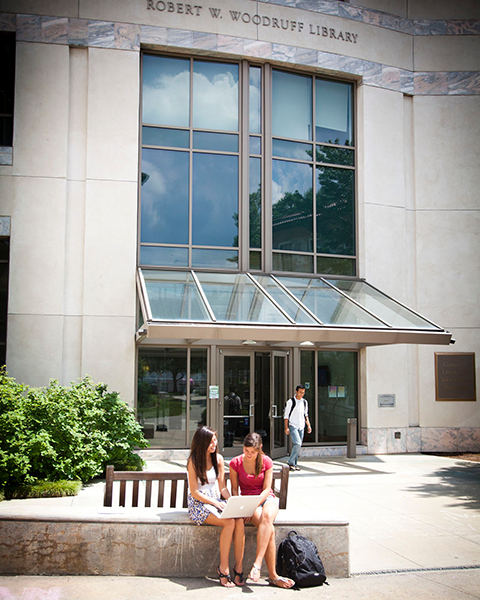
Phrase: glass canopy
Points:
(234, 306)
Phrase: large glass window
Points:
(331, 382)
(7, 86)
(219, 158)
(172, 394)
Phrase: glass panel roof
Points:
(241, 298)
(234, 297)
(174, 296)
(327, 304)
(378, 303)
(292, 308)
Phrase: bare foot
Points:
(225, 579)
(282, 582)
(255, 573)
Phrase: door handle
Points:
(274, 410)
(251, 410)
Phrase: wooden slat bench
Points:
(280, 477)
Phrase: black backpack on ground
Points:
(298, 559)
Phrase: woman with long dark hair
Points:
(206, 481)
(252, 474)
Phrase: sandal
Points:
(241, 580)
(255, 573)
(282, 580)
(221, 576)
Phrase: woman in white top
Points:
(206, 481)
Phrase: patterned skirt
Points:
(197, 510)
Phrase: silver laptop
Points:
(236, 507)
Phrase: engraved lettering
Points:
(340, 36)
(265, 21)
(235, 15)
(160, 6)
(170, 7)
(246, 18)
(300, 26)
(275, 22)
(332, 34)
(354, 35)
(347, 37)
(281, 22)
(179, 8)
(150, 5)
(293, 24)
(215, 12)
(324, 32)
(256, 19)
(311, 29)
(188, 9)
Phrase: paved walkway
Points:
(414, 533)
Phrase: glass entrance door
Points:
(252, 397)
(278, 398)
(236, 395)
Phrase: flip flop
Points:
(241, 580)
(255, 573)
(229, 582)
(276, 582)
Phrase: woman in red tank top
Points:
(251, 474)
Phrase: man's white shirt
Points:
(297, 418)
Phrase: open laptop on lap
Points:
(236, 507)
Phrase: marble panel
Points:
(29, 28)
(397, 23)
(283, 53)
(396, 445)
(113, 129)
(406, 82)
(444, 9)
(430, 83)
(8, 22)
(311, 5)
(180, 38)
(350, 65)
(464, 83)
(414, 439)
(364, 436)
(391, 78)
(327, 7)
(34, 353)
(55, 31)
(467, 27)
(373, 17)
(127, 36)
(372, 73)
(429, 27)
(468, 439)
(227, 43)
(52, 8)
(305, 56)
(377, 441)
(257, 48)
(441, 439)
(329, 61)
(78, 32)
(6, 155)
(101, 34)
(153, 35)
(205, 41)
(350, 11)
(5, 226)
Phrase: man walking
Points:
(296, 416)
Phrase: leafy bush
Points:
(58, 433)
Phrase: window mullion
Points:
(244, 196)
(267, 208)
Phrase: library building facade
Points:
(206, 205)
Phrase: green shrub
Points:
(59, 433)
(45, 489)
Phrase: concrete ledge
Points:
(126, 542)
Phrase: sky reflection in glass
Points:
(215, 96)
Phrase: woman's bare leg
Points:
(263, 519)
(239, 547)
(226, 536)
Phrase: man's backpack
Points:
(298, 559)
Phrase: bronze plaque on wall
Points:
(455, 376)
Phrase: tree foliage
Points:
(62, 432)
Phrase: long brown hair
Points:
(198, 452)
(254, 440)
